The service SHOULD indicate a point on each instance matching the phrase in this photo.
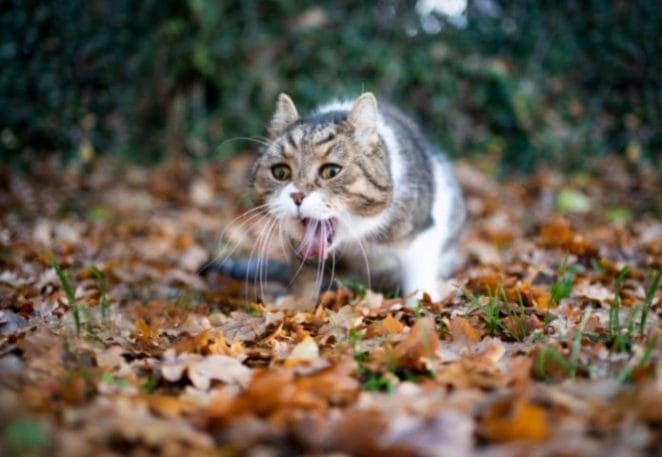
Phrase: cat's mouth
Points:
(317, 237)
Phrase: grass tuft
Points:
(103, 300)
(65, 281)
(648, 300)
(577, 343)
(619, 341)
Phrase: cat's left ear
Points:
(285, 115)
(363, 117)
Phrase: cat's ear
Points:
(285, 115)
(363, 117)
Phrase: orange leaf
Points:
(520, 421)
(194, 344)
(389, 325)
(146, 334)
(557, 234)
(535, 296)
(421, 343)
(170, 407)
(462, 331)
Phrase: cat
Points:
(357, 189)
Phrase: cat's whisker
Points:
(283, 242)
(363, 253)
(259, 140)
(251, 258)
(266, 259)
(296, 273)
(251, 216)
(366, 261)
(333, 270)
(320, 258)
(262, 259)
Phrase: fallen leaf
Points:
(462, 331)
(306, 351)
(146, 334)
(240, 326)
(168, 406)
(390, 326)
(573, 201)
(346, 318)
(218, 368)
(418, 347)
(515, 420)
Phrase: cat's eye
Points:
(330, 170)
(281, 172)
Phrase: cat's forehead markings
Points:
(330, 136)
(282, 152)
(289, 138)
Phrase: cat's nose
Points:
(297, 197)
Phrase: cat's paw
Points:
(411, 301)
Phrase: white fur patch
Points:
(423, 261)
(314, 205)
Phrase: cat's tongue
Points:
(317, 235)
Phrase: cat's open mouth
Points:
(317, 237)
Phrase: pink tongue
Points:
(314, 242)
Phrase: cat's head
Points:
(325, 178)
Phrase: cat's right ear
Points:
(363, 116)
(285, 115)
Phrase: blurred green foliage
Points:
(518, 80)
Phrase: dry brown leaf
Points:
(146, 334)
(196, 343)
(470, 373)
(516, 326)
(418, 347)
(218, 368)
(557, 234)
(347, 317)
(244, 327)
(462, 331)
(168, 406)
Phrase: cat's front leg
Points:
(421, 264)
(305, 285)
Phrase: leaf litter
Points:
(547, 341)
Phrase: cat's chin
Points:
(316, 238)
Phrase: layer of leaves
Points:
(547, 340)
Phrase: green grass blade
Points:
(648, 300)
(103, 300)
(577, 343)
(69, 292)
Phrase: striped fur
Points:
(395, 206)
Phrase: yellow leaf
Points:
(389, 325)
(306, 350)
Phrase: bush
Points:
(519, 80)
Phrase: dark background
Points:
(517, 81)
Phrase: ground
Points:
(547, 342)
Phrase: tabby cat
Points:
(357, 191)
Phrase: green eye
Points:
(330, 170)
(281, 172)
